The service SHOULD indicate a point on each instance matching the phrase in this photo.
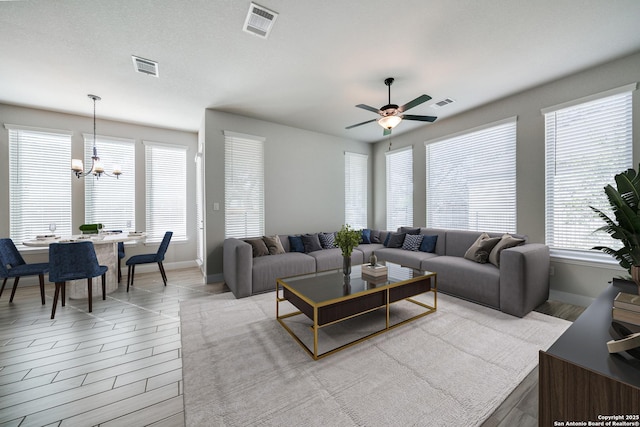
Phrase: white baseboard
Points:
(570, 298)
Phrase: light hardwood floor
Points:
(121, 365)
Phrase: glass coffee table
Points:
(327, 299)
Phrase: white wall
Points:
(304, 179)
(579, 278)
(179, 253)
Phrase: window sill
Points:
(585, 258)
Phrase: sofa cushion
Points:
(367, 250)
(269, 268)
(296, 243)
(466, 279)
(274, 245)
(327, 240)
(329, 259)
(402, 257)
(258, 247)
(480, 249)
(507, 241)
(428, 243)
(412, 242)
(394, 240)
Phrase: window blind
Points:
(355, 189)
(471, 179)
(399, 188)
(40, 182)
(166, 191)
(110, 201)
(586, 146)
(243, 185)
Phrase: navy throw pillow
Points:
(429, 244)
(366, 236)
(296, 243)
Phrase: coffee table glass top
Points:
(329, 285)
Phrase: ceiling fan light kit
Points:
(391, 115)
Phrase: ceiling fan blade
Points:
(419, 100)
(419, 118)
(368, 107)
(360, 124)
(386, 132)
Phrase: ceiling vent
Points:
(442, 103)
(145, 66)
(259, 21)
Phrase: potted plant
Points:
(625, 227)
(347, 239)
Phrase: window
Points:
(588, 142)
(399, 188)
(471, 179)
(109, 201)
(243, 185)
(40, 182)
(166, 190)
(355, 189)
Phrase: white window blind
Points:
(586, 146)
(471, 179)
(243, 185)
(399, 188)
(40, 182)
(109, 201)
(355, 189)
(166, 190)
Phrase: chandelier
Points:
(97, 167)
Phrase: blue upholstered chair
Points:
(150, 258)
(73, 261)
(12, 265)
(120, 256)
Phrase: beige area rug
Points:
(453, 367)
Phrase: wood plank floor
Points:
(121, 365)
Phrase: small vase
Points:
(373, 259)
(635, 275)
(346, 265)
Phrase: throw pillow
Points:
(258, 247)
(366, 236)
(412, 242)
(395, 240)
(296, 243)
(410, 230)
(273, 244)
(507, 241)
(481, 248)
(429, 244)
(311, 243)
(375, 236)
(327, 240)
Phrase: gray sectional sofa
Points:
(516, 284)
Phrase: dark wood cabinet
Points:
(579, 381)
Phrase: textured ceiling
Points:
(321, 59)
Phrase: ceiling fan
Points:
(391, 115)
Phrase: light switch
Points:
(216, 206)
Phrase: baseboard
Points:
(570, 298)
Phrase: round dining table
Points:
(106, 247)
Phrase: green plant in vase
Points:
(347, 239)
(625, 226)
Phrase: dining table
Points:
(106, 247)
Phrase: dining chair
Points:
(74, 261)
(120, 256)
(150, 258)
(13, 265)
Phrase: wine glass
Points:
(52, 227)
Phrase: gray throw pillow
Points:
(274, 245)
(311, 243)
(395, 240)
(375, 236)
(258, 247)
(481, 248)
(507, 241)
(410, 230)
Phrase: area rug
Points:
(452, 367)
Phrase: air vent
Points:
(442, 103)
(259, 21)
(145, 66)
